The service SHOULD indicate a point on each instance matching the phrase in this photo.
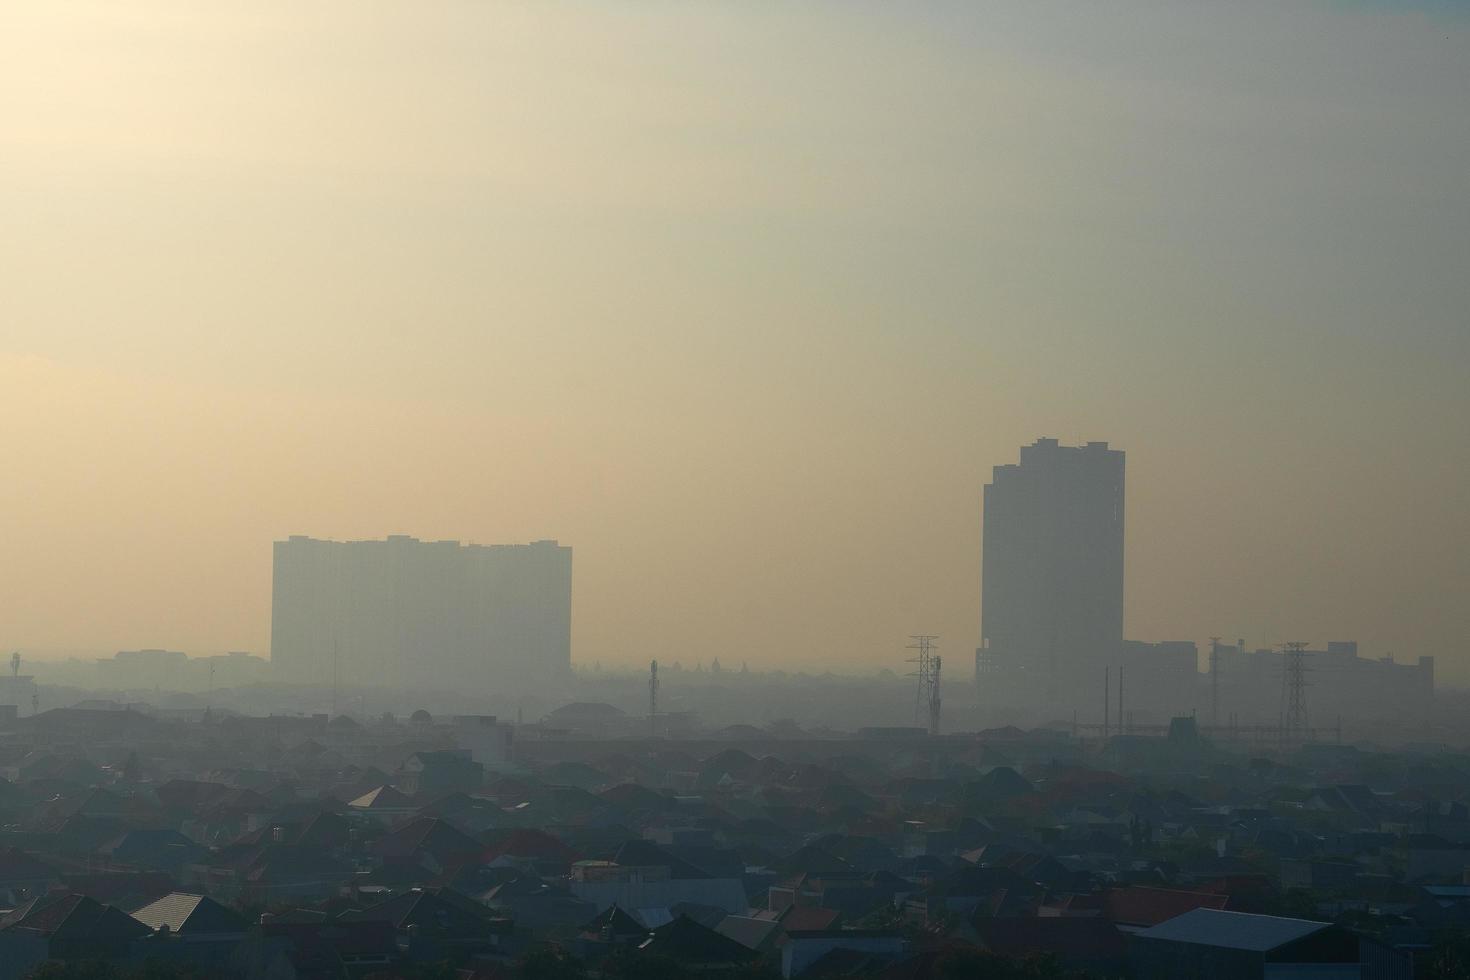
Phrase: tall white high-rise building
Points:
(1052, 568)
(420, 614)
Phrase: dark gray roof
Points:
(1233, 930)
(748, 932)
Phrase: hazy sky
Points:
(740, 300)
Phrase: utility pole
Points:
(652, 698)
(934, 695)
(1214, 682)
(1122, 722)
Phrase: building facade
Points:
(420, 615)
(1247, 685)
(1052, 567)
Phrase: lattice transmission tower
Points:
(1294, 724)
(927, 664)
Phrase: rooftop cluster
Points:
(299, 847)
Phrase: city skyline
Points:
(743, 303)
(1068, 483)
(331, 332)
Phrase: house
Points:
(474, 814)
(1450, 820)
(1326, 876)
(757, 935)
(610, 928)
(1141, 907)
(384, 805)
(803, 949)
(225, 816)
(535, 849)
(437, 773)
(696, 947)
(1077, 942)
(808, 918)
(969, 889)
(193, 930)
(64, 926)
(194, 916)
(1430, 858)
(1210, 944)
(535, 903)
(434, 924)
(1353, 805)
(489, 742)
(164, 850)
(123, 889)
(427, 843)
(588, 718)
(853, 893)
(186, 796)
(269, 873)
(316, 945)
(643, 875)
(23, 877)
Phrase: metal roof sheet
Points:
(1232, 930)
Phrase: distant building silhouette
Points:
(1051, 619)
(171, 670)
(1052, 568)
(420, 614)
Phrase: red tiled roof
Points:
(527, 843)
(806, 918)
(17, 865)
(1075, 938)
(1077, 903)
(1138, 905)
